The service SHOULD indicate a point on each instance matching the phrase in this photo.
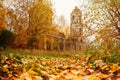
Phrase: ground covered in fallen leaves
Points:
(21, 67)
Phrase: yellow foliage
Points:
(2, 17)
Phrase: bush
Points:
(107, 55)
(6, 39)
(113, 58)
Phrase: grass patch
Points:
(14, 52)
(41, 53)
(107, 55)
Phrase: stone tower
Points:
(76, 28)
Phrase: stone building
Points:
(76, 28)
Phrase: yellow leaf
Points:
(11, 55)
(114, 67)
(53, 78)
(105, 67)
(2, 61)
(100, 75)
(10, 75)
(24, 70)
(44, 73)
(30, 71)
(79, 78)
(92, 77)
(118, 74)
(5, 69)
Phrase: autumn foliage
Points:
(29, 25)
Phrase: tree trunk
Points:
(64, 44)
(52, 41)
(58, 45)
(45, 43)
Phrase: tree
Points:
(20, 40)
(17, 14)
(110, 32)
(17, 18)
(40, 22)
(102, 20)
(2, 17)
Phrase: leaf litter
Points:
(20, 67)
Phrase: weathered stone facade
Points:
(76, 28)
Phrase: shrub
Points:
(6, 38)
(113, 58)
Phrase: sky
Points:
(65, 7)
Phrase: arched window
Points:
(79, 17)
(73, 18)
